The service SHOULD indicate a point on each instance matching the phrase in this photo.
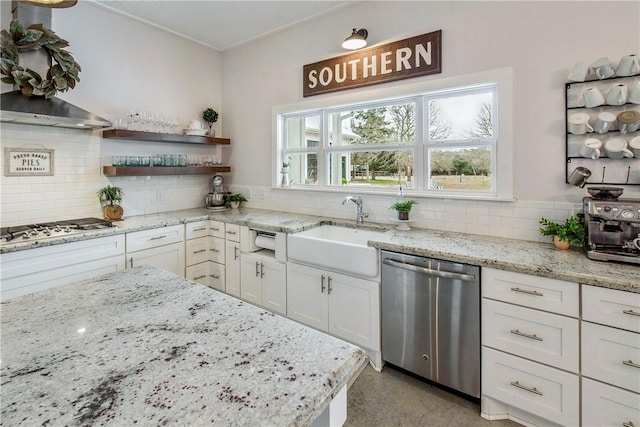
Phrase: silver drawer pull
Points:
(215, 229)
(214, 250)
(524, 387)
(630, 363)
(158, 237)
(524, 291)
(231, 232)
(628, 424)
(200, 277)
(200, 229)
(631, 312)
(524, 334)
(215, 276)
(199, 251)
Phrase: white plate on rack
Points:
(403, 224)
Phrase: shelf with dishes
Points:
(162, 137)
(163, 170)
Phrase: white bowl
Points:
(198, 132)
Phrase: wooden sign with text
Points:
(403, 59)
(28, 162)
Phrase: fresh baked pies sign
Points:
(403, 59)
(28, 162)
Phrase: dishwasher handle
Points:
(429, 271)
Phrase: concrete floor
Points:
(392, 399)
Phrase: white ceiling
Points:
(218, 24)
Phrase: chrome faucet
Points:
(360, 215)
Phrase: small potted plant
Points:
(210, 116)
(403, 209)
(235, 200)
(109, 197)
(572, 231)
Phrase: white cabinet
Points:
(32, 270)
(232, 268)
(205, 253)
(604, 405)
(531, 351)
(264, 281)
(345, 306)
(158, 247)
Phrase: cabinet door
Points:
(603, 405)
(193, 230)
(232, 232)
(146, 239)
(307, 299)
(611, 307)
(169, 257)
(274, 286)
(251, 286)
(197, 250)
(216, 276)
(354, 310)
(198, 273)
(216, 229)
(232, 268)
(216, 250)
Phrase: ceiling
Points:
(222, 25)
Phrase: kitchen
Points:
(245, 82)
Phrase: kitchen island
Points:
(146, 347)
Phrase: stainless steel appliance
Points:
(431, 319)
(46, 230)
(613, 229)
(217, 196)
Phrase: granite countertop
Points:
(147, 347)
(522, 256)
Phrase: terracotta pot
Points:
(113, 212)
(561, 244)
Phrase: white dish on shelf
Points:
(403, 224)
(216, 208)
(196, 132)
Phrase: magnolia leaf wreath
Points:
(61, 76)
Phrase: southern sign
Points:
(28, 162)
(403, 59)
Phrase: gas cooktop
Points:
(45, 230)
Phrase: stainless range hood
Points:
(35, 110)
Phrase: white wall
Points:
(126, 65)
(540, 41)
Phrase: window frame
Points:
(502, 154)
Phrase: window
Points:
(443, 141)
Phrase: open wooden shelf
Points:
(162, 137)
(159, 170)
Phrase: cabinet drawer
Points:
(197, 250)
(556, 296)
(216, 250)
(155, 237)
(216, 229)
(611, 307)
(198, 273)
(611, 355)
(543, 337)
(216, 276)
(604, 405)
(232, 232)
(193, 230)
(546, 392)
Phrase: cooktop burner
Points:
(51, 229)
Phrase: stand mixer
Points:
(216, 198)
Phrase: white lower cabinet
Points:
(158, 247)
(344, 306)
(604, 405)
(264, 281)
(232, 268)
(32, 270)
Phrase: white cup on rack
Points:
(579, 72)
(591, 97)
(634, 93)
(603, 122)
(634, 146)
(591, 149)
(579, 124)
(617, 94)
(616, 148)
(628, 66)
(603, 68)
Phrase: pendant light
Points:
(357, 39)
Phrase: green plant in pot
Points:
(235, 200)
(571, 232)
(210, 116)
(403, 208)
(109, 197)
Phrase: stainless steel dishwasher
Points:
(431, 319)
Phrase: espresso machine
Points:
(217, 197)
(613, 227)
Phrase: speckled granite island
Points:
(145, 347)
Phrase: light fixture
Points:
(357, 39)
(52, 3)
